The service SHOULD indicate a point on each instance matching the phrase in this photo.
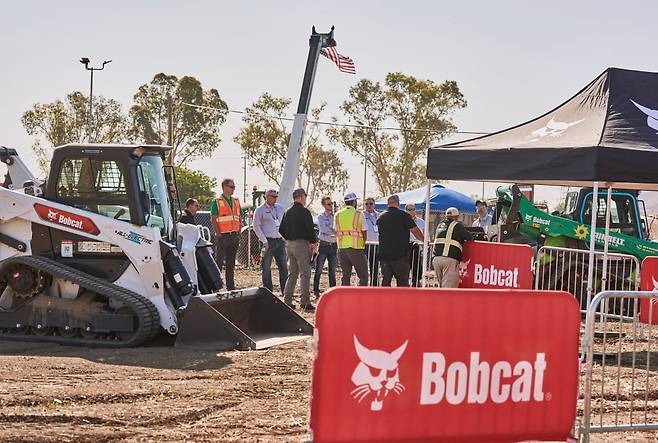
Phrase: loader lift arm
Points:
(17, 172)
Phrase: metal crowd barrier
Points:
(374, 268)
(620, 391)
(566, 269)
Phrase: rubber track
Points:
(149, 320)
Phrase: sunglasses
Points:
(369, 203)
(231, 186)
(328, 204)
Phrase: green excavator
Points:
(520, 221)
(525, 223)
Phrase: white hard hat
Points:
(452, 212)
(349, 196)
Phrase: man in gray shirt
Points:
(327, 249)
(267, 219)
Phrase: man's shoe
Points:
(308, 308)
(291, 305)
(316, 295)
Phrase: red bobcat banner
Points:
(649, 282)
(495, 265)
(401, 364)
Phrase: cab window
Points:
(94, 185)
(622, 214)
(153, 194)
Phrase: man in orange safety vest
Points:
(225, 214)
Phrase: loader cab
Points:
(624, 210)
(124, 182)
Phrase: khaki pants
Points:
(356, 258)
(447, 271)
(299, 265)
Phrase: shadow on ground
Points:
(639, 360)
(159, 354)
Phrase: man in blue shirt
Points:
(267, 219)
(484, 219)
(370, 217)
(328, 248)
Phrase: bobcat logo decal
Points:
(377, 373)
(463, 270)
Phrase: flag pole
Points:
(291, 169)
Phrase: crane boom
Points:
(291, 169)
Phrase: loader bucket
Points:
(245, 319)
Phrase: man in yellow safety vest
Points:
(351, 240)
(448, 248)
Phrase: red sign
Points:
(65, 218)
(649, 282)
(402, 364)
(495, 265)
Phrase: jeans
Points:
(416, 264)
(327, 251)
(227, 249)
(372, 253)
(398, 268)
(276, 248)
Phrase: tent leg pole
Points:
(592, 234)
(426, 234)
(604, 275)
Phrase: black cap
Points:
(298, 192)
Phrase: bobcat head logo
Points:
(377, 374)
(463, 271)
(52, 215)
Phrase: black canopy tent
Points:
(607, 132)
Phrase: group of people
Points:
(361, 240)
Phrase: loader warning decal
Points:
(65, 218)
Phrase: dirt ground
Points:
(52, 393)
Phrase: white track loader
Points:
(94, 257)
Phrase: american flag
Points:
(345, 64)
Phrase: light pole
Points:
(85, 61)
(365, 172)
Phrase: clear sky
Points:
(513, 60)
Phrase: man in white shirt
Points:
(370, 217)
(484, 219)
(415, 253)
(267, 219)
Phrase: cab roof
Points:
(151, 149)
